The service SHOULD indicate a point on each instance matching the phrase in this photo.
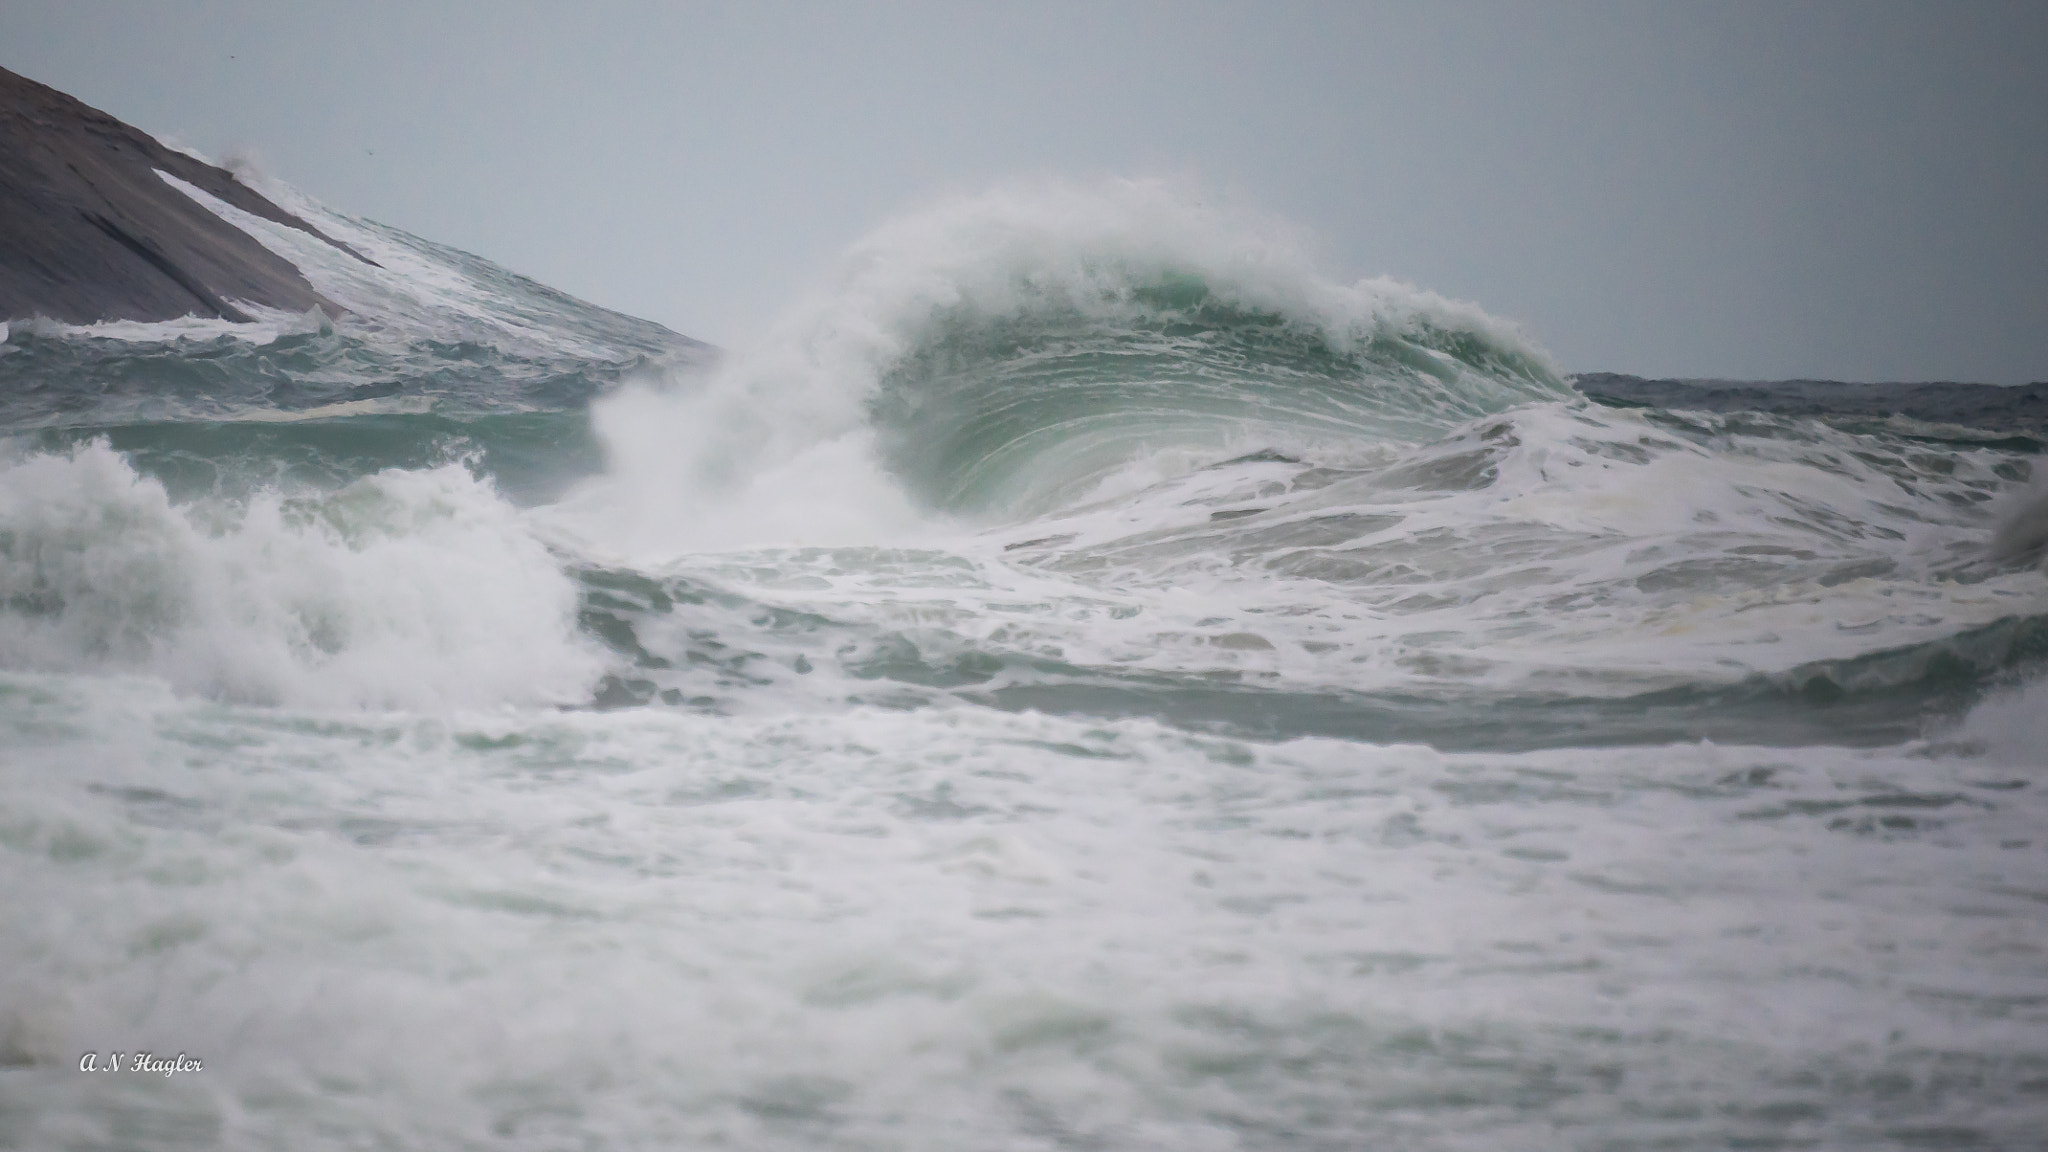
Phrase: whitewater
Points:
(1085, 679)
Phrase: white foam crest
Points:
(1086, 247)
(706, 466)
(404, 589)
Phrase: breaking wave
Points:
(404, 589)
(1002, 355)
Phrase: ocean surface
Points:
(1083, 680)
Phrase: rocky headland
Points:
(90, 232)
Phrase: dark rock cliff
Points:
(90, 232)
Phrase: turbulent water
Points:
(1086, 680)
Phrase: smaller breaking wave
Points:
(403, 589)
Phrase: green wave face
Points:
(1024, 410)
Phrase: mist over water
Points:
(1085, 680)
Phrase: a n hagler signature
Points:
(138, 1062)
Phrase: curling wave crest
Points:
(1002, 355)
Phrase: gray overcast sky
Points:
(1847, 190)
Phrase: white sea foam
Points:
(404, 589)
(1553, 549)
(691, 468)
(957, 928)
